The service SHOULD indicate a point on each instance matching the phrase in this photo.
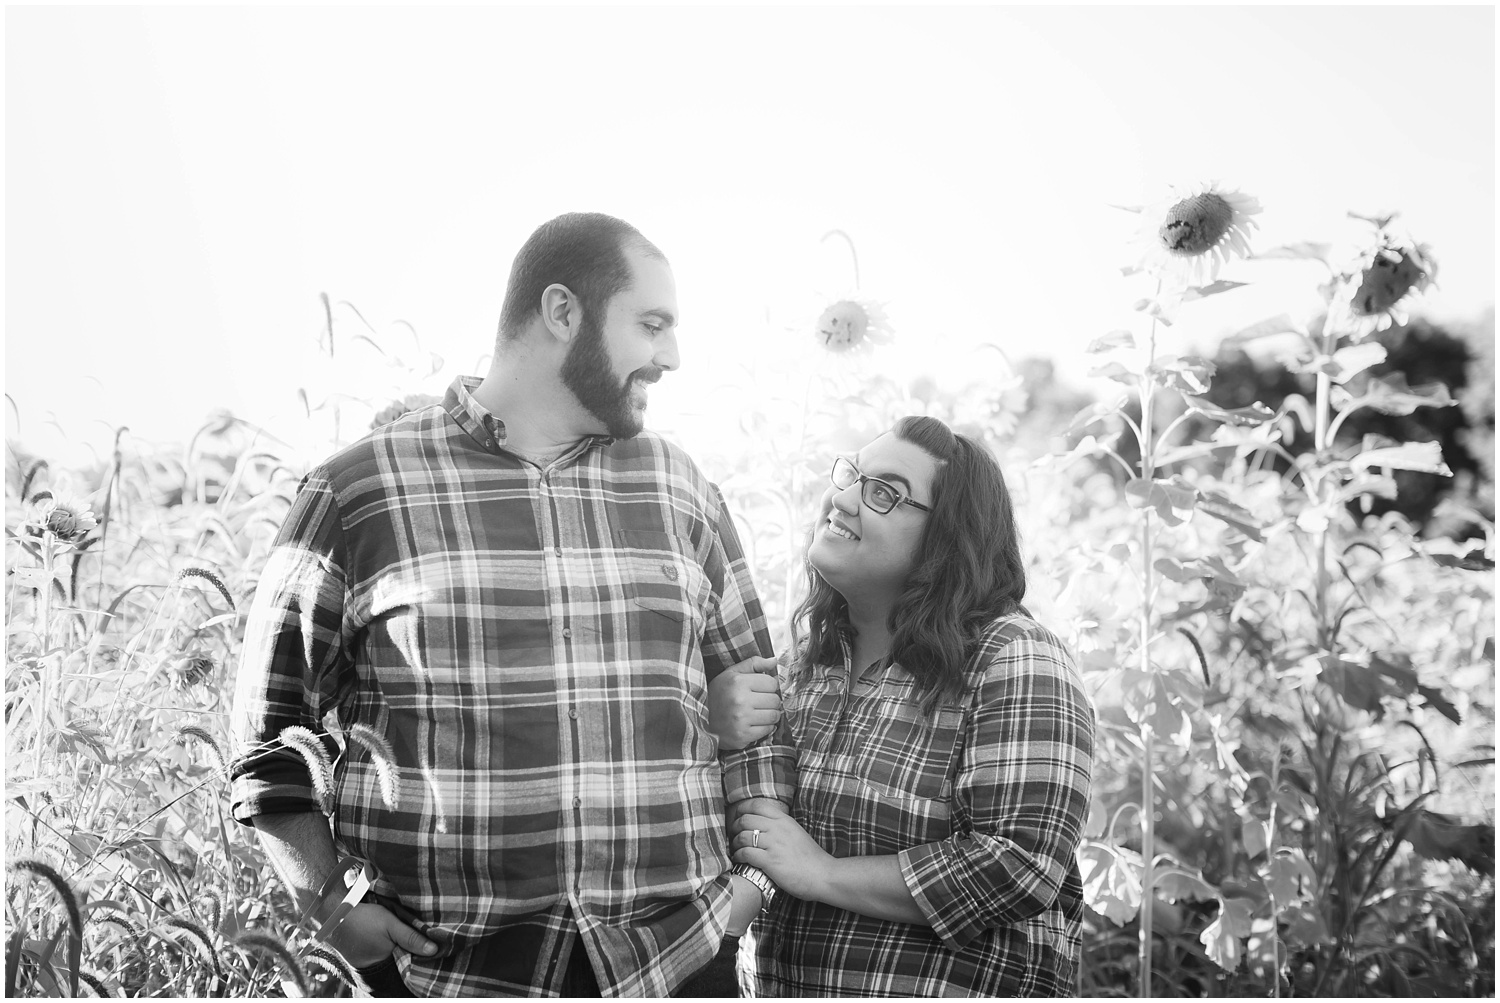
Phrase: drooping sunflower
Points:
(852, 324)
(1375, 291)
(1185, 238)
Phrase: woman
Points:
(944, 745)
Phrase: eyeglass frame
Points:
(864, 481)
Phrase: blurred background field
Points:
(247, 237)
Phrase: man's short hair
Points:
(584, 251)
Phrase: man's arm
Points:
(736, 632)
(293, 667)
(300, 846)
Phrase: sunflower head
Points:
(190, 670)
(1186, 237)
(68, 519)
(851, 325)
(1373, 294)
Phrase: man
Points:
(511, 604)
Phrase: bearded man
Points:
(498, 616)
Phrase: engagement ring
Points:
(755, 838)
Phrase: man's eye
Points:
(655, 329)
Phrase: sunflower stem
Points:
(1148, 802)
(853, 254)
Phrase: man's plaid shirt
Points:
(983, 804)
(534, 645)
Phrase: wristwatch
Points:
(759, 879)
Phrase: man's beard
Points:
(587, 372)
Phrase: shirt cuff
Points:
(276, 786)
(928, 871)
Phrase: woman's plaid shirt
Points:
(983, 805)
(534, 646)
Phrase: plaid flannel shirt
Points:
(983, 805)
(534, 645)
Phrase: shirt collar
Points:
(478, 421)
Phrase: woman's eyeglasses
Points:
(878, 495)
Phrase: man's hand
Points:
(369, 934)
(743, 705)
(744, 905)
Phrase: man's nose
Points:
(666, 356)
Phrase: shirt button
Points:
(669, 571)
(567, 632)
(557, 551)
(578, 802)
(573, 713)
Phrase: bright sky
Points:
(182, 183)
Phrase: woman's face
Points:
(863, 554)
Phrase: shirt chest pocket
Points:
(661, 583)
(911, 755)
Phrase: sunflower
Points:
(852, 324)
(68, 519)
(1185, 238)
(1373, 294)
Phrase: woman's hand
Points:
(782, 849)
(743, 706)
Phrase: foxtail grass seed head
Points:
(37, 867)
(95, 982)
(384, 759)
(331, 961)
(207, 576)
(199, 935)
(320, 770)
(215, 755)
(260, 942)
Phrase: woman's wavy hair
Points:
(969, 571)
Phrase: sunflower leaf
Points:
(1173, 498)
(1188, 375)
(1391, 395)
(1212, 289)
(1303, 251)
(1112, 340)
(1116, 371)
(1268, 328)
(1255, 414)
(1424, 457)
(1352, 360)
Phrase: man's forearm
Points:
(301, 848)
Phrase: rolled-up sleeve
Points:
(295, 658)
(1020, 797)
(736, 631)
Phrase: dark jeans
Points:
(384, 979)
(715, 980)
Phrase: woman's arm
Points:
(1022, 788)
(870, 886)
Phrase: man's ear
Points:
(561, 312)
